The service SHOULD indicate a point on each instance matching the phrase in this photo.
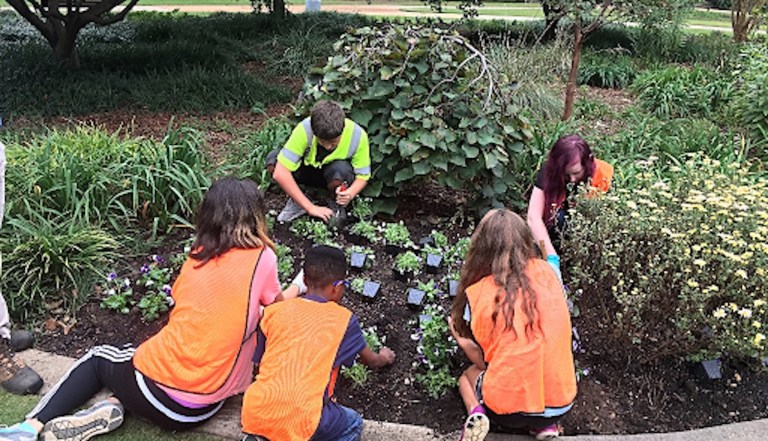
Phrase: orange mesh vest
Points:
(199, 347)
(602, 177)
(286, 400)
(527, 373)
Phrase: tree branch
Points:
(21, 7)
(117, 17)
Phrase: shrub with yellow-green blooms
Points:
(677, 266)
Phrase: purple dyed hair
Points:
(565, 151)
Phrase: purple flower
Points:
(144, 269)
(166, 289)
(112, 276)
(158, 258)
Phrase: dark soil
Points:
(613, 397)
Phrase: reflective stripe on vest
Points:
(357, 133)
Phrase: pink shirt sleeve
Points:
(265, 279)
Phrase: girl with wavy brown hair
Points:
(511, 320)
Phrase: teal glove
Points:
(554, 261)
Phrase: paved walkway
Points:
(227, 424)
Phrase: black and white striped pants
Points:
(111, 367)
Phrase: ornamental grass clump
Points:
(676, 267)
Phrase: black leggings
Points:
(112, 367)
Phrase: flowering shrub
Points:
(676, 267)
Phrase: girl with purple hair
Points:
(570, 163)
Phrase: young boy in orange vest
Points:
(302, 344)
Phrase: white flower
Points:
(718, 313)
(745, 312)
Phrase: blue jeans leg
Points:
(354, 426)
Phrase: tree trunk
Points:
(738, 22)
(278, 9)
(570, 88)
(65, 49)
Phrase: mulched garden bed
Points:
(615, 396)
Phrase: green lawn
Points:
(15, 407)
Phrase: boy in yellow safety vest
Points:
(325, 150)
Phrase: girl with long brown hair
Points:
(180, 377)
(511, 320)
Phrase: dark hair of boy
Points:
(327, 120)
(230, 216)
(324, 265)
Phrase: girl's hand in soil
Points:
(388, 354)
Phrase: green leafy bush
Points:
(432, 107)
(312, 229)
(609, 71)
(683, 92)
(408, 262)
(250, 153)
(397, 234)
(676, 266)
(366, 230)
(751, 102)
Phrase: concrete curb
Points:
(227, 423)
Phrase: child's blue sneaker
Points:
(18, 432)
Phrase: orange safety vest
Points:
(286, 400)
(527, 373)
(602, 177)
(208, 330)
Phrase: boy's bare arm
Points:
(374, 360)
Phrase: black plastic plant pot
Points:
(433, 263)
(710, 370)
(403, 277)
(424, 318)
(357, 239)
(415, 298)
(357, 261)
(427, 240)
(453, 286)
(393, 250)
(371, 290)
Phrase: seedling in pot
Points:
(415, 298)
(370, 290)
(431, 291)
(396, 238)
(433, 263)
(407, 266)
(427, 241)
(362, 233)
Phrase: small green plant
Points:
(153, 304)
(441, 240)
(119, 294)
(366, 230)
(431, 291)
(397, 234)
(358, 373)
(434, 350)
(458, 251)
(314, 230)
(154, 274)
(284, 261)
(408, 263)
(357, 285)
(436, 382)
(362, 209)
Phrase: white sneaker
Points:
(476, 427)
(102, 417)
(291, 211)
